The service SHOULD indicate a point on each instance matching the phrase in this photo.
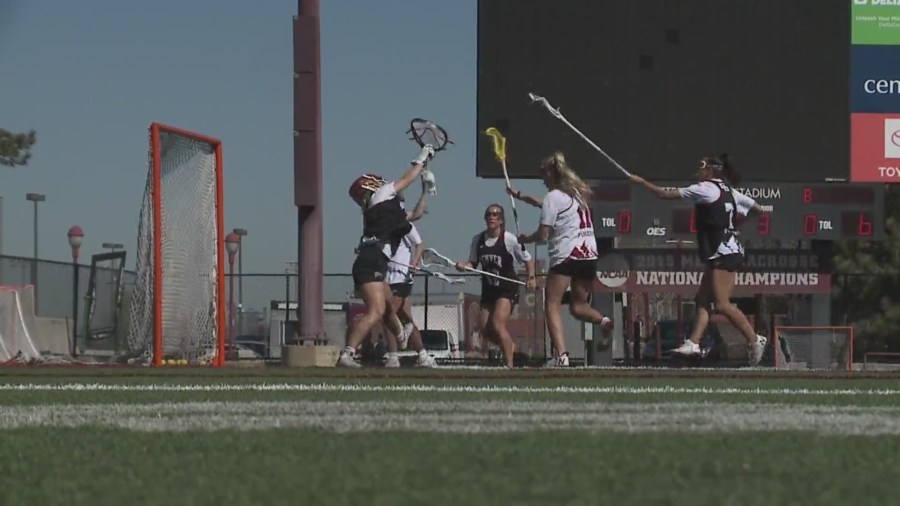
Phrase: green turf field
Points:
(371, 437)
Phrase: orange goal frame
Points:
(848, 330)
(155, 129)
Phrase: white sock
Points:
(423, 353)
(349, 351)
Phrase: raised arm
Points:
(419, 210)
(414, 170)
(656, 190)
(533, 201)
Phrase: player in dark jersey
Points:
(717, 206)
(496, 251)
(384, 225)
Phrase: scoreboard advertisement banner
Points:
(875, 91)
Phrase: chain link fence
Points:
(869, 302)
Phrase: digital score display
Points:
(795, 211)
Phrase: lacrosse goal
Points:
(813, 347)
(19, 340)
(177, 307)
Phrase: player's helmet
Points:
(365, 185)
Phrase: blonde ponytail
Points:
(565, 179)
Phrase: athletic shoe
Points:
(688, 347)
(562, 361)
(606, 326)
(403, 338)
(757, 349)
(346, 359)
(425, 360)
(392, 361)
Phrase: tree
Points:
(867, 286)
(15, 149)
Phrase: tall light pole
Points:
(76, 236)
(35, 197)
(232, 241)
(241, 232)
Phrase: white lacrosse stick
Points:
(558, 115)
(439, 275)
(431, 257)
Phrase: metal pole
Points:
(241, 284)
(34, 260)
(241, 274)
(74, 305)
(231, 303)
(287, 305)
(426, 303)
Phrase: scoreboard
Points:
(794, 211)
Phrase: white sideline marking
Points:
(361, 387)
(462, 417)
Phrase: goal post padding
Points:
(177, 308)
(814, 347)
(19, 336)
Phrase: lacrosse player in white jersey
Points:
(717, 206)
(567, 225)
(385, 223)
(401, 282)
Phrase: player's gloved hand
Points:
(426, 154)
(428, 182)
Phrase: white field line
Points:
(362, 387)
(461, 417)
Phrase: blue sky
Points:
(90, 76)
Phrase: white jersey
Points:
(707, 192)
(400, 273)
(572, 228)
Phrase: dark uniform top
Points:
(497, 259)
(716, 231)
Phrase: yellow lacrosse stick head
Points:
(499, 143)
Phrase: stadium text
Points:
(743, 278)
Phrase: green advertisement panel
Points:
(875, 22)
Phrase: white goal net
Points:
(19, 340)
(177, 312)
(814, 348)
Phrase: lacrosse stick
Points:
(500, 154)
(431, 257)
(426, 133)
(558, 115)
(439, 275)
